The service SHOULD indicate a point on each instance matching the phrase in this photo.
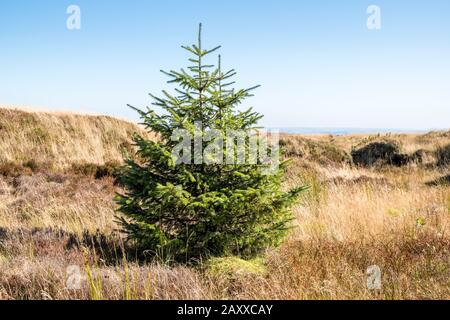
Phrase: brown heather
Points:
(57, 211)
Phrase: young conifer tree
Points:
(197, 206)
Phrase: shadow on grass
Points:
(108, 249)
(442, 181)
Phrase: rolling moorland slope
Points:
(379, 200)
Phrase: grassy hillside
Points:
(59, 140)
(57, 217)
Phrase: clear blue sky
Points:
(318, 63)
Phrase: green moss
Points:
(234, 266)
(393, 212)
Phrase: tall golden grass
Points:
(56, 224)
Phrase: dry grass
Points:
(70, 203)
(55, 222)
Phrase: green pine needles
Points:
(189, 199)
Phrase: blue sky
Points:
(318, 63)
